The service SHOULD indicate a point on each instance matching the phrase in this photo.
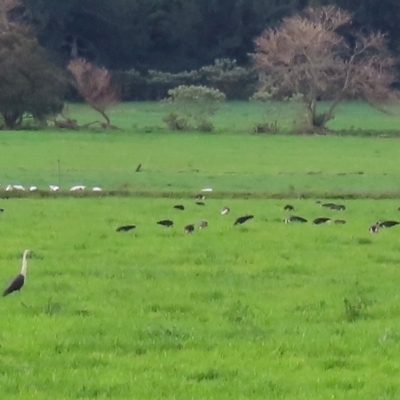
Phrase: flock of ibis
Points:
(189, 228)
(18, 282)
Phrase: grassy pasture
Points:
(249, 312)
(185, 162)
(253, 311)
(241, 116)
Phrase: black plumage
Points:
(387, 224)
(243, 219)
(166, 222)
(321, 220)
(125, 228)
(374, 228)
(189, 228)
(19, 280)
(288, 207)
(15, 285)
(179, 207)
(1, 209)
(200, 203)
(294, 218)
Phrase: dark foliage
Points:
(29, 82)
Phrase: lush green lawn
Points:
(249, 312)
(253, 311)
(179, 162)
(241, 116)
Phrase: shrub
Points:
(192, 106)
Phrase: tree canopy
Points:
(308, 56)
(29, 82)
(174, 35)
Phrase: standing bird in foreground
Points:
(19, 280)
(288, 207)
(242, 220)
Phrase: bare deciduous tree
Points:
(94, 85)
(307, 55)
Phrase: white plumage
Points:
(77, 188)
(54, 188)
(18, 187)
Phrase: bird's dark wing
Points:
(179, 207)
(15, 285)
(388, 224)
(125, 228)
(165, 222)
(242, 220)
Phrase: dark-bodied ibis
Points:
(19, 280)
(125, 228)
(242, 220)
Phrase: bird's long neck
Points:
(24, 263)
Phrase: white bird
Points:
(54, 188)
(97, 189)
(77, 188)
(225, 210)
(206, 190)
(33, 189)
(18, 187)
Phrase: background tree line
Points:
(177, 35)
(142, 49)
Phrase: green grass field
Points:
(188, 162)
(241, 116)
(177, 162)
(262, 310)
(253, 311)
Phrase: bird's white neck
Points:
(24, 263)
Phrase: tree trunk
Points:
(311, 113)
(103, 114)
(12, 119)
